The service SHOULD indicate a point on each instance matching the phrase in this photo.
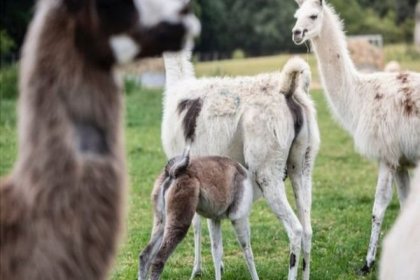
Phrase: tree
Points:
(15, 16)
(6, 43)
(257, 27)
(405, 9)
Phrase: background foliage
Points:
(257, 27)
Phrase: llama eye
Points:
(313, 17)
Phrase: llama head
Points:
(122, 30)
(308, 20)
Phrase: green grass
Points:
(343, 189)
(406, 55)
(342, 200)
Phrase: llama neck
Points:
(338, 73)
(69, 109)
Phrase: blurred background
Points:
(379, 31)
(242, 27)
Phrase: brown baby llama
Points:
(213, 186)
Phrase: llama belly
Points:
(244, 198)
(211, 209)
(390, 142)
(389, 125)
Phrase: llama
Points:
(401, 253)
(392, 66)
(215, 187)
(61, 208)
(380, 110)
(266, 122)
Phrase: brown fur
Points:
(403, 78)
(193, 108)
(408, 104)
(220, 181)
(379, 96)
(211, 186)
(61, 208)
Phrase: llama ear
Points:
(300, 2)
(73, 6)
(321, 2)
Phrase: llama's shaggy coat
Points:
(215, 187)
(266, 122)
(380, 110)
(401, 251)
(61, 207)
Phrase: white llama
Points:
(380, 110)
(266, 122)
(401, 252)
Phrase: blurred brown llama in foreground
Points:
(61, 208)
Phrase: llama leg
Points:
(222, 267)
(216, 249)
(182, 200)
(272, 186)
(149, 253)
(300, 172)
(266, 157)
(402, 179)
(383, 196)
(197, 269)
(243, 234)
(174, 234)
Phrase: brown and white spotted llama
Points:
(61, 207)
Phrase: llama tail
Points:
(177, 165)
(294, 69)
(178, 67)
(174, 168)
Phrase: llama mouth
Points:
(298, 41)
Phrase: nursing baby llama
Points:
(216, 188)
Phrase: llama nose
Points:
(297, 32)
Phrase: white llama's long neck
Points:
(178, 67)
(337, 70)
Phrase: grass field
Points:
(404, 54)
(343, 193)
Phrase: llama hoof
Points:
(222, 268)
(197, 272)
(366, 269)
